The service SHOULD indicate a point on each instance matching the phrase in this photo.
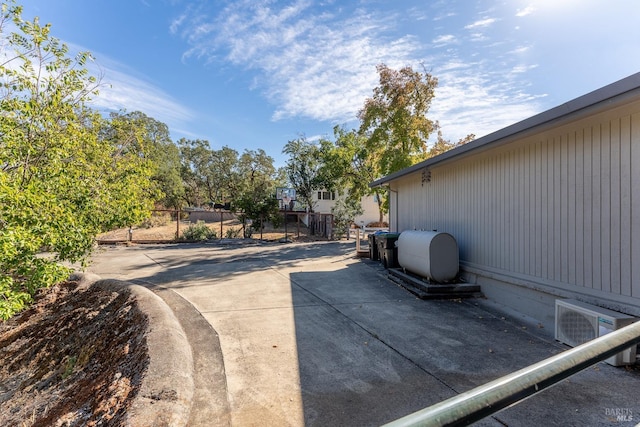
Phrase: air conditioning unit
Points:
(578, 322)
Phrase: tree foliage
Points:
(348, 167)
(61, 182)
(395, 120)
(256, 188)
(209, 176)
(195, 158)
(247, 181)
(303, 170)
(394, 131)
(143, 134)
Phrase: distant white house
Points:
(324, 201)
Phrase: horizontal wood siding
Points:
(557, 207)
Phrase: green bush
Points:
(233, 233)
(12, 299)
(199, 232)
(344, 213)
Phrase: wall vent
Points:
(578, 322)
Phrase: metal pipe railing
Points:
(490, 398)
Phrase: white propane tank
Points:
(429, 254)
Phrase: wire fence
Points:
(170, 225)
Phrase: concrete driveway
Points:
(311, 335)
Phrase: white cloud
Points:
(313, 63)
(176, 23)
(418, 14)
(122, 91)
(526, 11)
(523, 68)
(444, 39)
(520, 49)
(473, 98)
(444, 16)
(482, 23)
(121, 88)
(478, 37)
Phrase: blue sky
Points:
(257, 73)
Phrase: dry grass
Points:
(167, 232)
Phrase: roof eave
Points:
(604, 96)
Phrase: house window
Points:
(326, 195)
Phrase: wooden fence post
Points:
(178, 211)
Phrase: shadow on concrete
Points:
(369, 352)
(228, 260)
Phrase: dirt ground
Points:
(75, 358)
(166, 231)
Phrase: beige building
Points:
(324, 201)
(546, 208)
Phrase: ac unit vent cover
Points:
(578, 322)
(574, 327)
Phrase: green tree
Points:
(222, 184)
(151, 137)
(303, 169)
(167, 175)
(348, 167)
(209, 176)
(60, 182)
(195, 159)
(254, 189)
(395, 120)
(396, 128)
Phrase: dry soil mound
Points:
(75, 358)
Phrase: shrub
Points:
(199, 232)
(344, 213)
(233, 233)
